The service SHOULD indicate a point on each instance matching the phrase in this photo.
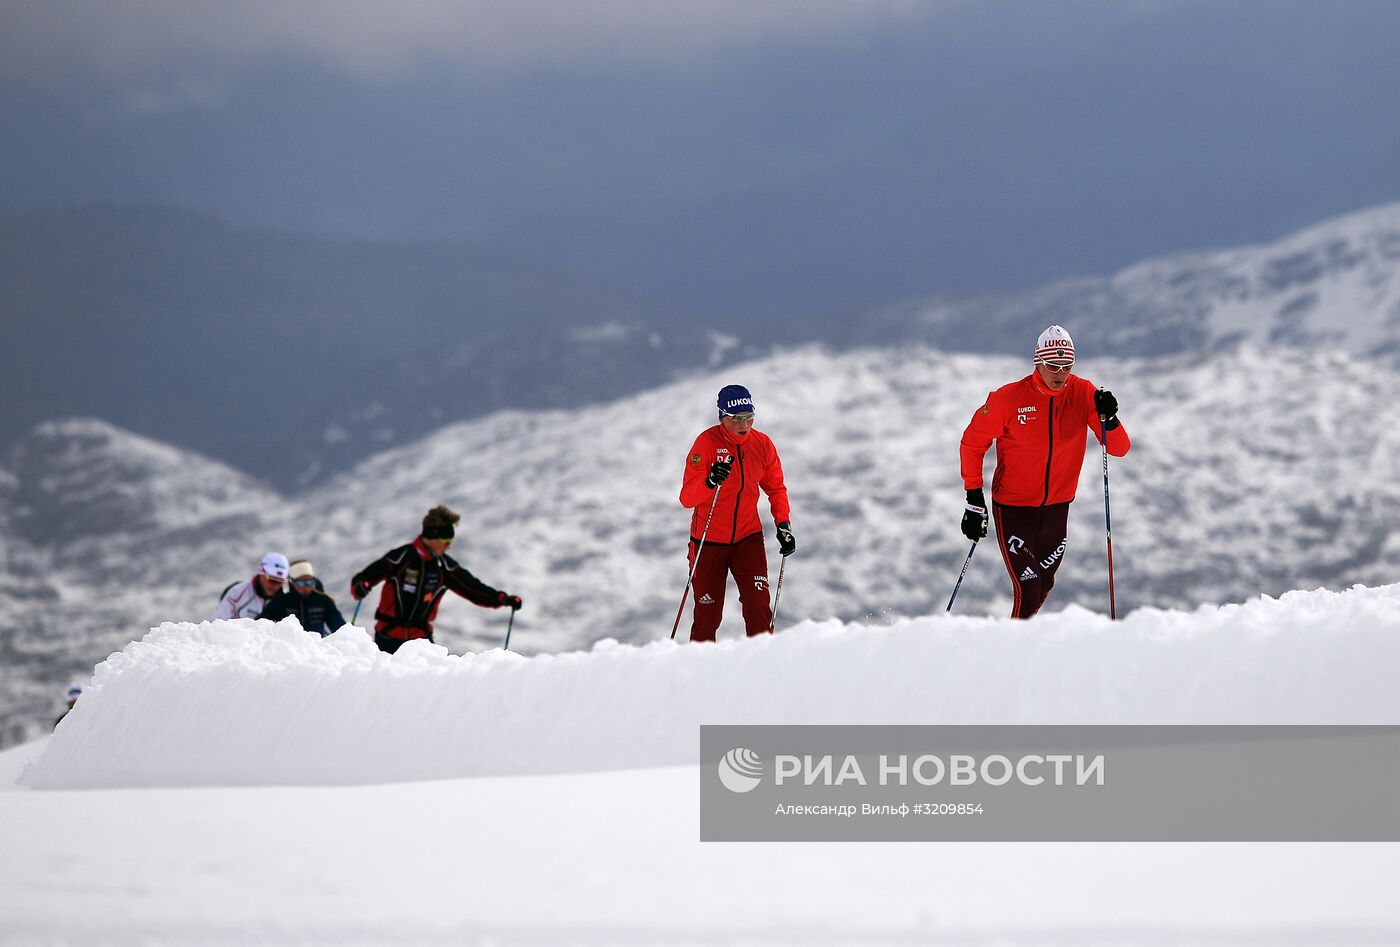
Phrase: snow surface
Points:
(613, 857)
(247, 702)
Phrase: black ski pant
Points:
(1032, 541)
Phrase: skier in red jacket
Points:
(727, 466)
(1040, 425)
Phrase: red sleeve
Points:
(694, 490)
(773, 485)
(1118, 441)
(987, 424)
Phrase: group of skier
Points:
(415, 575)
(1038, 423)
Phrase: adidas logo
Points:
(1028, 574)
(705, 599)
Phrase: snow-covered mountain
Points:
(1335, 285)
(1253, 471)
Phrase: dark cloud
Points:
(43, 40)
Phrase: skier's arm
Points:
(275, 609)
(333, 617)
(226, 607)
(371, 575)
(987, 425)
(1115, 436)
(772, 484)
(472, 589)
(694, 489)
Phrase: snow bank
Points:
(252, 703)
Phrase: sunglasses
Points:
(1057, 369)
(741, 417)
(445, 542)
(304, 583)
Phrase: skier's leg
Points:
(1015, 527)
(1050, 544)
(708, 587)
(750, 568)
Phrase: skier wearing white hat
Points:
(247, 599)
(1040, 425)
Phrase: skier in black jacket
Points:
(416, 577)
(305, 601)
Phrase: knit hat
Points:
(301, 569)
(274, 565)
(440, 523)
(75, 690)
(734, 399)
(1055, 346)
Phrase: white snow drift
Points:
(252, 703)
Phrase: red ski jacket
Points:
(1040, 439)
(756, 465)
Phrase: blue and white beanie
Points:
(734, 399)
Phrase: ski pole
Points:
(356, 617)
(509, 625)
(1107, 521)
(696, 564)
(961, 574)
(777, 595)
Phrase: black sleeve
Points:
(333, 617)
(375, 572)
(276, 608)
(471, 588)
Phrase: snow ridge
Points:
(252, 703)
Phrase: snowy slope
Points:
(252, 703)
(613, 857)
(1251, 473)
(100, 530)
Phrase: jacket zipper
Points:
(1050, 451)
(734, 526)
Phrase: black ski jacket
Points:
(317, 611)
(414, 583)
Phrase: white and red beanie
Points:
(1055, 347)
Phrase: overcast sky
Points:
(123, 39)
(729, 158)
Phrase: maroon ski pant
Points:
(1032, 541)
(748, 561)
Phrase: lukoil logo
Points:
(740, 769)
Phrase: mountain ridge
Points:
(1248, 476)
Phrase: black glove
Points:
(511, 601)
(974, 522)
(786, 544)
(359, 590)
(1107, 407)
(719, 472)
